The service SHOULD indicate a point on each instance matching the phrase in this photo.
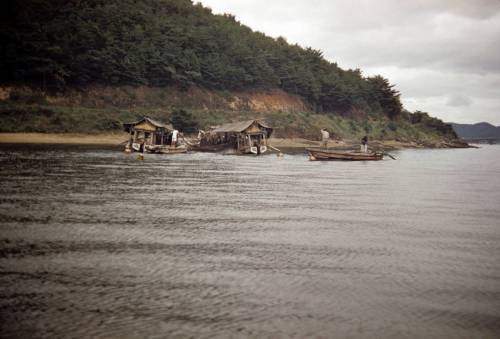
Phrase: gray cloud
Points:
(435, 51)
(458, 101)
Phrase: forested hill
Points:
(55, 44)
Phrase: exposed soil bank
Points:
(104, 109)
(159, 98)
(121, 138)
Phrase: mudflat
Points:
(63, 138)
(118, 138)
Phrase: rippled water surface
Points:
(96, 244)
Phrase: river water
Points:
(97, 244)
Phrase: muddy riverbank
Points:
(288, 143)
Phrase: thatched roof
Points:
(155, 123)
(240, 126)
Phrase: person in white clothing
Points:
(175, 133)
(325, 136)
(364, 144)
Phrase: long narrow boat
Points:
(164, 149)
(325, 154)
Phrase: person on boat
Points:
(325, 136)
(257, 145)
(175, 133)
(364, 144)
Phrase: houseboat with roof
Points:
(244, 137)
(148, 135)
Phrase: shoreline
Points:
(64, 138)
(116, 139)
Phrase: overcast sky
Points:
(442, 55)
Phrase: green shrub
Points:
(392, 126)
(353, 126)
(367, 128)
(108, 124)
(184, 121)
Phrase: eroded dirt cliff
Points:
(128, 97)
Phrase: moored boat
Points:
(325, 154)
(148, 135)
(166, 149)
(245, 137)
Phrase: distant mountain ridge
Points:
(481, 130)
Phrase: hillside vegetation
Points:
(57, 47)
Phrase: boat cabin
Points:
(151, 136)
(242, 137)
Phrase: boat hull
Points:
(316, 154)
(229, 149)
(166, 149)
(159, 149)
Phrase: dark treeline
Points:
(58, 43)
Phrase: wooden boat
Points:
(325, 154)
(148, 135)
(244, 137)
(166, 149)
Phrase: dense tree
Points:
(184, 121)
(385, 94)
(424, 119)
(57, 43)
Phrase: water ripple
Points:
(94, 243)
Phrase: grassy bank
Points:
(41, 117)
(30, 111)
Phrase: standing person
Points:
(325, 136)
(174, 138)
(142, 149)
(364, 144)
